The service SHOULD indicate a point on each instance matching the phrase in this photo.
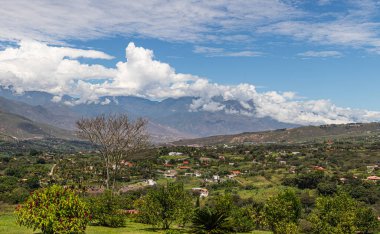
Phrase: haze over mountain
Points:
(170, 119)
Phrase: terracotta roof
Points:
(184, 167)
(373, 178)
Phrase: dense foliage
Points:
(286, 188)
(210, 220)
(54, 210)
(164, 205)
(282, 212)
(341, 214)
(105, 210)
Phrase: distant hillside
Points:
(301, 134)
(171, 119)
(15, 127)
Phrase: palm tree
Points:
(210, 221)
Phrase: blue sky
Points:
(318, 57)
(350, 80)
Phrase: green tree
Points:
(242, 219)
(165, 205)
(327, 188)
(309, 180)
(104, 210)
(8, 183)
(54, 210)
(283, 211)
(341, 214)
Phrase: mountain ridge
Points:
(294, 135)
(174, 118)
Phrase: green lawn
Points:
(8, 225)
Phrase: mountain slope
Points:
(171, 119)
(301, 134)
(59, 116)
(14, 127)
(63, 117)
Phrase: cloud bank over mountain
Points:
(35, 66)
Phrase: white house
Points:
(175, 153)
(151, 182)
(203, 192)
(170, 174)
(197, 174)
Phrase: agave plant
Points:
(210, 221)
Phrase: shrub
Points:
(8, 183)
(282, 212)
(165, 205)
(41, 161)
(210, 220)
(104, 209)
(341, 214)
(16, 196)
(309, 180)
(327, 188)
(53, 210)
(242, 219)
(33, 183)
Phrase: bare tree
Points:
(117, 137)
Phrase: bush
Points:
(341, 214)
(164, 205)
(8, 183)
(33, 183)
(104, 209)
(286, 228)
(305, 226)
(282, 212)
(18, 172)
(309, 180)
(210, 220)
(242, 219)
(41, 161)
(327, 188)
(53, 210)
(15, 196)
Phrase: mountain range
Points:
(169, 120)
(293, 135)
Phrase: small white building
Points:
(151, 182)
(370, 169)
(230, 176)
(203, 192)
(197, 174)
(175, 153)
(216, 178)
(170, 174)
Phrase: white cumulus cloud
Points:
(57, 70)
(321, 54)
(37, 66)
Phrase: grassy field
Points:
(8, 225)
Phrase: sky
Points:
(306, 62)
